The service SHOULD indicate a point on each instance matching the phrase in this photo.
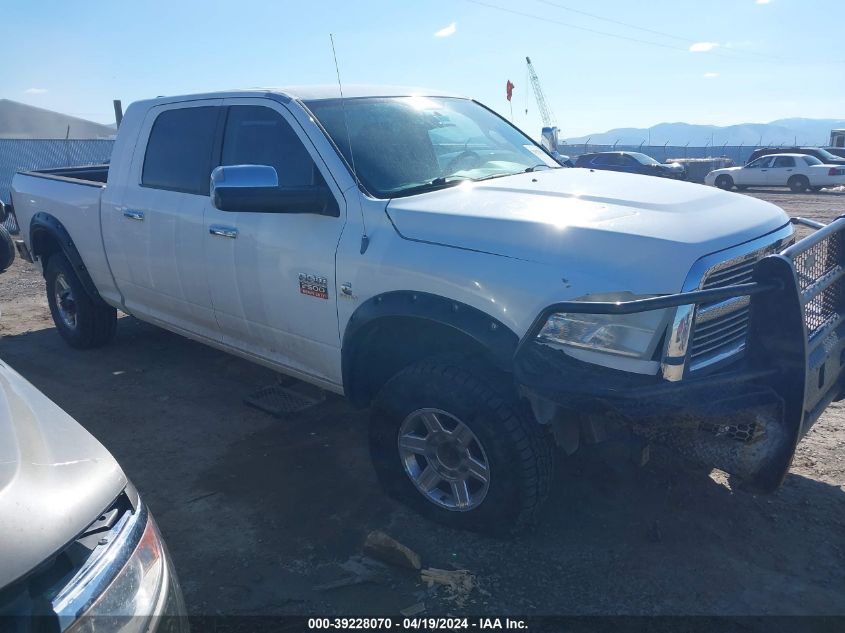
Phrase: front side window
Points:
(763, 161)
(178, 156)
(406, 145)
(257, 135)
(784, 161)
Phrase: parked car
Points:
(425, 258)
(79, 549)
(822, 154)
(799, 172)
(836, 151)
(631, 163)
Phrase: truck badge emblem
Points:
(313, 286)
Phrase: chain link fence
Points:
(737, 153)
(25, 154)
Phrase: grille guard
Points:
(795, 352)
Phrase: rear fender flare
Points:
(44, 223)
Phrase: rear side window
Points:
(256, 135)
(784, 161)
(179, 151)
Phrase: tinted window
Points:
(256, 135)
(784, 161)
(179, 150)
(643, 158)
(823, 154)
(763, 161)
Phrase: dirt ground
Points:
(258, 512)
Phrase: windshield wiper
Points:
(441, 182)
(528, 170)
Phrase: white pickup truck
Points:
(420, 255)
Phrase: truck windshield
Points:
(407, 145)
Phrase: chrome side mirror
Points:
(236, 187)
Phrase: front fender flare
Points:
(496, 338)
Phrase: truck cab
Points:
(420, 255)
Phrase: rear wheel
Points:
(82, 321)
(7, 249)
(724, 182)
(798, 184)
(446, 441)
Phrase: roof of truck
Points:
(316, 92)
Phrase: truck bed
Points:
(95, 175)
(72, 196)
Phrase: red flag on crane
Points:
(509, 88)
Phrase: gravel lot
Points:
(257, 511)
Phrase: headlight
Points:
(632, 335)
(125, 585)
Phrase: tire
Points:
(451, 395)
(724, 182)
(82, 322)
(7, 249)
(798, 184)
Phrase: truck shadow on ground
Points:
(257, 510)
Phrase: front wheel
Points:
(446, 441)
(724, 182)
(82, 321)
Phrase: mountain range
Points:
(19, 120)
(780, 132)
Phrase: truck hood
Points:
(563, 215)
(55, 478)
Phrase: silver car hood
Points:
(55, 478)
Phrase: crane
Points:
(550, 132)
(545, 111)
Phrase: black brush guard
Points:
(746, 419)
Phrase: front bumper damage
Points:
(748, 418)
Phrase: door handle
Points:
(788, 170)
(223, 231)
(133, 214)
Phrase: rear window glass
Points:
(179, 151)
(812, 160)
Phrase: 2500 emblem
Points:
(313, 286)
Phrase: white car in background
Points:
(799, 172)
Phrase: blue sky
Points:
(702, 61)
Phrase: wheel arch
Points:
(48, 236)
(390, 331)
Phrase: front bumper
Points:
(747, 419)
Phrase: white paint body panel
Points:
(508, 246)
(55, 478)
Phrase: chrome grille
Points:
(720, 329)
